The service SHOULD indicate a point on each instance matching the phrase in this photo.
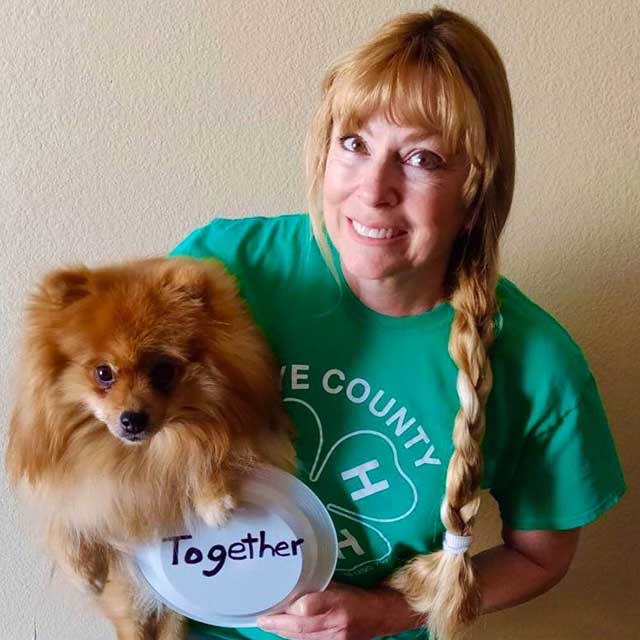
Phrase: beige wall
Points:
(123, 125)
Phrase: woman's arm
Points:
(525, 566)
(528, 564)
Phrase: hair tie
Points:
(454, 543)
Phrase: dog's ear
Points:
(187, 277)
(64, 286)
(40, 425)
(38, 431)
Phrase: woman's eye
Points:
(352, 143)
(104, 375)
(425, 160)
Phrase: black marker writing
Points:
(236, 551)
(176, 544)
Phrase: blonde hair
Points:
(439, 71)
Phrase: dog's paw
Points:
(216, 513)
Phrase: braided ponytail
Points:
(443, 585)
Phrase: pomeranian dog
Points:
(145, 394)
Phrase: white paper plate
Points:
(279, 544)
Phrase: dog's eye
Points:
(104, 375)
(162, 375)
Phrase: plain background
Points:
(123, 125)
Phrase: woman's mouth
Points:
(375, 233)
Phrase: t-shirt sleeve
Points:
(232, 242)
(568, 473)
(215, 240)
(257, 252)
(188, 244)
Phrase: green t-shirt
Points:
(373, 398)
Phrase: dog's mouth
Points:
(133, 438)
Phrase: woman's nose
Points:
(379, 183)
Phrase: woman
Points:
(392, 375)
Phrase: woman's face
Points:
(392, 201)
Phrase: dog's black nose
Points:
(134, 421)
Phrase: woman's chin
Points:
(361, 268)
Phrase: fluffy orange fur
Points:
(167, 338)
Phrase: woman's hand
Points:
(342, 612)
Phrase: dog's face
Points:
(129, 390)
(127, 343)
(131, 340)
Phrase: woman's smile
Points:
(375, 234)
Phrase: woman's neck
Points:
(397, 295)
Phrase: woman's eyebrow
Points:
(415, 136)
(422, 136)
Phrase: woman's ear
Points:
(471, 219)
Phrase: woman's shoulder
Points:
(250, 236)
(524, 321)
(534, 345)
(263, 253)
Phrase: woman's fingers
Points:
(311, 604)
(293, 626)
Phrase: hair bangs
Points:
(409, 90)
